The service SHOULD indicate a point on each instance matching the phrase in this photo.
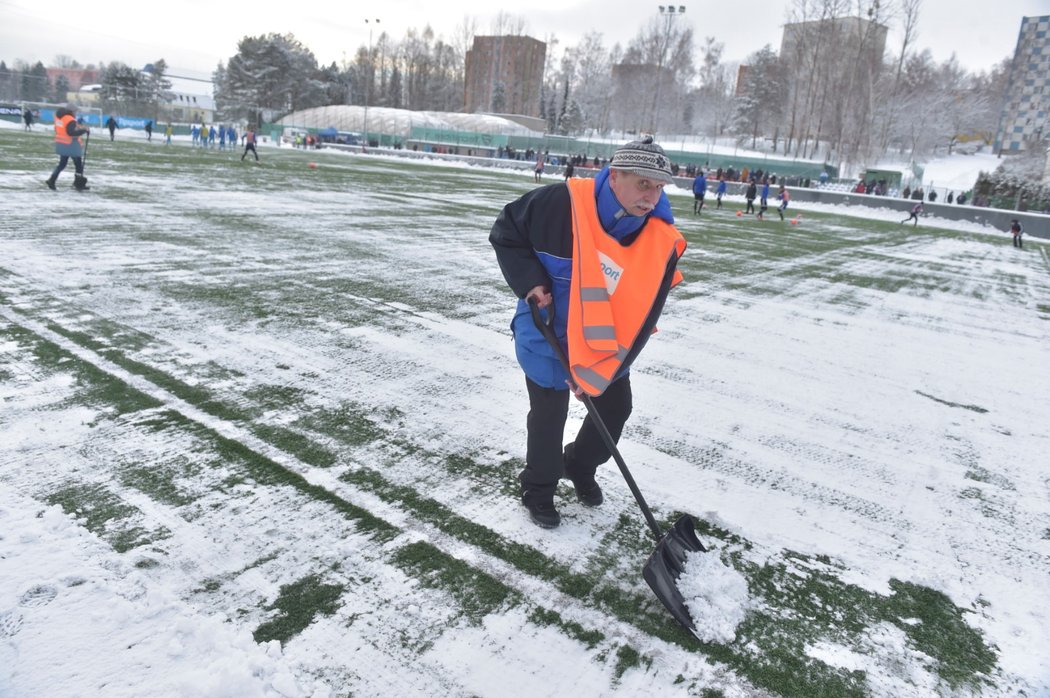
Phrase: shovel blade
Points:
(665, 565)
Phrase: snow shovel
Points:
(79, 180)
(665, 564)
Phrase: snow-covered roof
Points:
(400, 121)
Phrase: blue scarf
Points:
(614, 217)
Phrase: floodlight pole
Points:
(371, 74)
(669, 13)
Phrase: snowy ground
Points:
(260, 426)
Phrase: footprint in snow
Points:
(40, 595)
(10, 623)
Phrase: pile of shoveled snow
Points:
(715, 594)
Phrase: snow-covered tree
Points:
(274, 73)
(156, 86)
(759, 104)
(592, 68)
(573, 120)
(123, 89)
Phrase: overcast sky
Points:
(193, 36)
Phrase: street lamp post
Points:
(371, 74)
(669, 13)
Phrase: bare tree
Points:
(506, 24)
(592, 69)
(908, 11)
(713, 102)
(809, 56)
(665, 47)
(866, 39)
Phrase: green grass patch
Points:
(158, 480)
(804, 603)
(476, 593)
(349, 423)
(94, 387)
(302, 446)
(297, 605)
(589, 638)
(627, 658)
(106, 515)
(963, 657)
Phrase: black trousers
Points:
(78, 165)
(548, 410)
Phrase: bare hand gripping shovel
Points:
(665, 564)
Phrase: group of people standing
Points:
(750, 194)
(919, 194)
(206, 136)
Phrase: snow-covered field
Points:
(260, 425)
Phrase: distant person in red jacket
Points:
(249, 144)
(1018, 230)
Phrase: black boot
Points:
(51, 182)
(588, 491)
(541, 507)
(543, 514)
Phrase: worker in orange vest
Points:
(601, 254)
(69, 145)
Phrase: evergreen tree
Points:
(35, 85)
(564, 110)
(394, 89)
(760, 103)
(274, 74)
(123, 89)
(156, 87)
(7, 82)
(572, 122)
(62, 89)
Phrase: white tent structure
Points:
(396, 122)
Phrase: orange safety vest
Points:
(61, 129)
(613, 288)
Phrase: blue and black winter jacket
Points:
(533, 240)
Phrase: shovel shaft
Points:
(547, 329)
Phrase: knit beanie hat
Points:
(643, 158)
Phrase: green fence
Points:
(561, 146)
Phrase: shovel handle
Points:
(546, 328)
